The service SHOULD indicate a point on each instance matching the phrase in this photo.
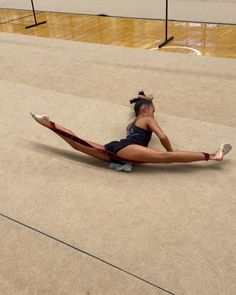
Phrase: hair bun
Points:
(133, 100)
(141, 93)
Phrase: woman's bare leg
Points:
(45, 121)
(134, 152)
(149, 155)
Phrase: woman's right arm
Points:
(152, 124)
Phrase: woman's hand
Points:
(149, 96)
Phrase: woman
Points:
(134, 148)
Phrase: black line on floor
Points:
(12, 20)
(86, 253)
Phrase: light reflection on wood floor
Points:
(210, 39)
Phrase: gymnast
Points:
(134, 148)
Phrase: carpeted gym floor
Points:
(162, 229)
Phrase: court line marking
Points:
(179, 47)
(86, 253)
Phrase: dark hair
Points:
(139, 102)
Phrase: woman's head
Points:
(143, 105)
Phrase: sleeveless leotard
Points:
(135, 135)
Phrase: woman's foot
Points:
(41, 119)
(224, 149)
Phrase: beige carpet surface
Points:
(220, 11)
(201, 88)
(171, 225)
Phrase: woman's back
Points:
(139, 135)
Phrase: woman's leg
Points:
(45, 121)
(149, 155)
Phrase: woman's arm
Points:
(152, 124)
(148, 97)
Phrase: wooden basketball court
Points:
(190, 38)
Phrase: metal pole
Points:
(167, 40)
(32, 3)
(35, 20)
(166, 19)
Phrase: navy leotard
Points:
(135, 135)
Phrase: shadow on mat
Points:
(71, 155)
(142, 168)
